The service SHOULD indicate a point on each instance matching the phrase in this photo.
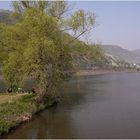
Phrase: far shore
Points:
(99, 72)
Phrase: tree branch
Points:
(66, 29)
(76, 37)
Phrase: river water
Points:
(101, 106)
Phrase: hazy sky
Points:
(117, 22)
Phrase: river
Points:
(99, 106)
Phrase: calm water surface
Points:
(102, 106)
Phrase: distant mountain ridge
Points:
(137, 51)
(121, 54)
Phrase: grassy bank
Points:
(18, 108)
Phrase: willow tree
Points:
(37, 47)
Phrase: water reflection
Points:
(103, 106)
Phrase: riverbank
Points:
(99, 72)
(16, 109)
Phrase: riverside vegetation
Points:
(40, 44)
(16, 109)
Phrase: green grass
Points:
(12, 113)
(16, 108)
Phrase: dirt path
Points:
(10, 97)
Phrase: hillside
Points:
(88, 56)
(84, 56)
(121, 54)
(5, 17)
(137, 51)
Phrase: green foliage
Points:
(33, 52)
(52, 8)
(13, 70)
(81, 21)
(35, 45)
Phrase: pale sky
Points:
(117, 22)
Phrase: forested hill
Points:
(84, 56)
(6, 17)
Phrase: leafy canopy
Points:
(35, 46)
